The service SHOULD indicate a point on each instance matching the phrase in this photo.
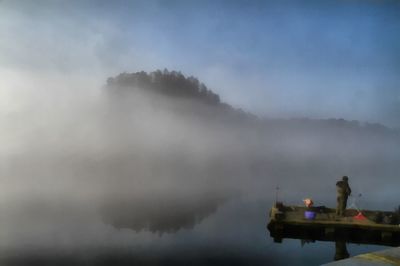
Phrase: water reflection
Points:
(341, 236)
(159, 215)
(341, 250)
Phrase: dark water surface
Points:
(235, 234)
(185, 226)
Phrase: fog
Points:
(280, 59)
(100, 169)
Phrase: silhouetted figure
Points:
(343, 192)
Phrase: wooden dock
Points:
(374, 227)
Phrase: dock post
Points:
(386, 236)
(279, 233)
(329, 232)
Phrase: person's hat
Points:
(345, 178)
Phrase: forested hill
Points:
(175, 85)
(171, 83)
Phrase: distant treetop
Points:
(171, 83)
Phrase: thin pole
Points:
(276, 194)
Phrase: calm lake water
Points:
(235, 234)
(195, 202)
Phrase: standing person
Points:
(343, 192)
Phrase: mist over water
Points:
(156, 168)
(144, 177)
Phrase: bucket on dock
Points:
(310, 215)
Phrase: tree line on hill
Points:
(175, 84)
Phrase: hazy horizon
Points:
(154, 169)
(336, 59)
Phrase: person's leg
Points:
(342, 206)
(337, 205)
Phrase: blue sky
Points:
(319, 59)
